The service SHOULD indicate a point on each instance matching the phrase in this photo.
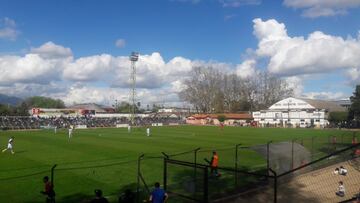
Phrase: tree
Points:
(221, 118)
(125, 107)
(212, 91)
(43, 102)
(203, 89)
(354, 111)
(338, 116)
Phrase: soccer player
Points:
(129, 129)
(158, 195)
(55, 129)
(148, 131)
(70, 132)
(10, 145)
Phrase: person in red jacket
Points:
(214, 163)
(49, 190)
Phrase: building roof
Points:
(328, 105)
(227, 115)
(90, 106)
(306, 104)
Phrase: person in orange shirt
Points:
(214, 163)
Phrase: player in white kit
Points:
(70, 132)
(10, 146)
(129, 129)
(148, 132)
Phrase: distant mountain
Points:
(4, 99)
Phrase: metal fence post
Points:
(52, 178)
(206, 185)
(138, 178)
(312, 147)
(52, 174)
(165, 173)
(275, 184)
(268, 156)
(236, 163)
(195, 164)
(292, 153)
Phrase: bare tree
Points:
(209, 90)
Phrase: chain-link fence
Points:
(296, 181)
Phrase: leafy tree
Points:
(338, 116)
(125, 107)
(5, 110)
(221, 118)
(354, 111)
(43, 102)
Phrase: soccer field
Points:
(107, 158)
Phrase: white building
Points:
(294, 112)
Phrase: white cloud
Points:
(318, 53)
(246, 69)
(8, 29)
(238, 3)
(120, 43)
(91, 68)
(318, 8)
(50, 50)
(28, 69)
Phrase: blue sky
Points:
(202, 31)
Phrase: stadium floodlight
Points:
(134, 57)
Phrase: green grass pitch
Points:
(106, 158)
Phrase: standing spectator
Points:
(10, 146)
(99, 198)
(341, 190)
(214, 163)
(158, 195)
(49, 190)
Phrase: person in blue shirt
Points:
(158, 195)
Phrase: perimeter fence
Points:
(313, 181)
(243, 169)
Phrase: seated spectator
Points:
(127, 197)
(343, 171)
(341, 190)
(336, 171)
(99, 198)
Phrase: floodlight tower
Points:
(134, 57)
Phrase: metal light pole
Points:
(134, 57)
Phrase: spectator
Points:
(341, 190)
(214, 164)
(343, 171)
(158, 195)
(99, 198)
(127, 197)
(49, 190)
(336, 171)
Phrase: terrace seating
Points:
(27, 122)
